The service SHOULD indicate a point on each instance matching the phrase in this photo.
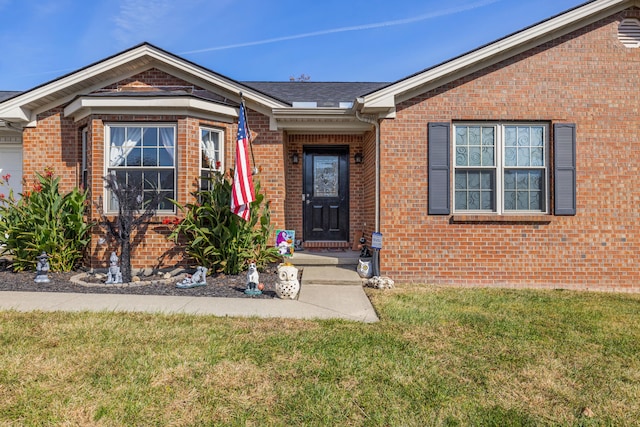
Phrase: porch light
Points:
(358, 158)
(295, 158)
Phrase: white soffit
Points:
(390, 96)
(318, 120)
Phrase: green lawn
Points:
(439, 356)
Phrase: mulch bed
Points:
(218, 285)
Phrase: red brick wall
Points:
(588, 78)
(55, 144)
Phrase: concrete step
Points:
(304, 258)
(330, 275)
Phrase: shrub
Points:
(220, 240)
(44, 220)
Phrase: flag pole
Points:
(242, 190)
(254, 170)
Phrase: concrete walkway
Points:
(314, 302)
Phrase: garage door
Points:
(11, 163)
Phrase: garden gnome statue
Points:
(114, 275)
(42, 267)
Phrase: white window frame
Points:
(500, 168)
(107, 155)
(220, 152)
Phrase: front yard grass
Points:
(439, 356)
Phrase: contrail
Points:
(445, 12)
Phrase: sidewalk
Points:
(314, 302)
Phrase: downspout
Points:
(374, 121)
(369, 119)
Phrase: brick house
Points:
(511, 165)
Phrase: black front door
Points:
(326, 193)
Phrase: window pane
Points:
(166, 180)
(325, 176)
(523, 157)
(462, 156)
(537, 157)
(150, 137)
(164, 203)
(475, 158)
(150, 180)
(166, 146)
(537, 136)
(523, 136)
(149, 157)
(461, 135)
(488, 136)
(488, 154)
(134, 158)
(165, 158)
(475, 190)
(524, 190)
(117, 136)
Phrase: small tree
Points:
(134, 213)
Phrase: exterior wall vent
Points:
(629, 32)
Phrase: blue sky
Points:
(267, 40)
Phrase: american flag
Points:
(242, 192)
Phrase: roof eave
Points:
(85, 105)
(409, 87)
(130, 62)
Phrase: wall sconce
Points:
(358, 158)
(295, 158)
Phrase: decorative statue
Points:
(199, 278)
(114, 275)
(42, 268)
(287, 286)
(364, 268)
(253, 279)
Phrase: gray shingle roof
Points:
(325, 94)
(6, 94)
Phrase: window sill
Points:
(511, 219)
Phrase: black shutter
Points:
(564, 175)
(439, 193)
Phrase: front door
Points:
(326, 193)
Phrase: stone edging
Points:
(77, 279)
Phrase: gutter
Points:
(11, 126)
